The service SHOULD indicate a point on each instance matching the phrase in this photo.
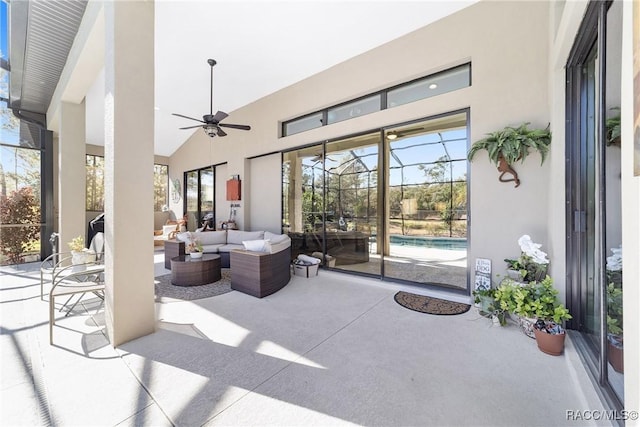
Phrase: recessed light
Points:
(433, 86)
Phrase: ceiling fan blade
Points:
(220, 115)
(229, 125)
(191, 127)
(187, 117)
(221, 132)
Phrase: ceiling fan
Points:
(320, 156)
(212, 125)
(402, 133)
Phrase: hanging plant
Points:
(512, 144)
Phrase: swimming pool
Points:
(430, 242)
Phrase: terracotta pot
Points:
(548, 343)
(616, 357)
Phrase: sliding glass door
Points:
(199, 198)
(408, 223)
(426, 226)
(594, 220)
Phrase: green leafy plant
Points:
(612, 125)
(614, 309)
(513, 144)
(76, 244)
(20, 207)
(488, 306)
(533, 300)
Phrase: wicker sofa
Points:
(260, 261)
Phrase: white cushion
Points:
(255, 245)
(211, 249)
(212, 237)
(236, 237)
(274, 248)
(275, 238)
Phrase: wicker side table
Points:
(172, 249)
(194, 272)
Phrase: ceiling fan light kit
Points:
(211, 122)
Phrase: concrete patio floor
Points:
(329, 350)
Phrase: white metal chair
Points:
(74, 280)
(57, 261)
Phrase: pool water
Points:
(430, 242)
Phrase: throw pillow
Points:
(255, 245)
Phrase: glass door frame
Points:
(592, 34)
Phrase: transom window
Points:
(425, 87)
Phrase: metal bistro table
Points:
(186, 271)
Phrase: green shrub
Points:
(20, 207)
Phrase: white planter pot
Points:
(195, 255)
(82, 257)
(526, 324)
(514, 275)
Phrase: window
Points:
(200, 198)
(425, 87)
(21, 157)
(354, 109)
(160, 187)
(95, 185)
(446, 81)
(304, 123)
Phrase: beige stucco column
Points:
(129, 133)
(71, 174)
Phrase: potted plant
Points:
(194, 247)
(512, 144)
(615, 338)
(487, 306)
(532, 265)
(80, 254)
(549, 336)
(530, 302)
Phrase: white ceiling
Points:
(261, 47)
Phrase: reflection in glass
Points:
(354, 109)
(191, 199)
(206, 198)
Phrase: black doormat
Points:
(430, 305)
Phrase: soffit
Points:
(42, 33)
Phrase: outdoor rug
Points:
(166, 292)
(430, 305)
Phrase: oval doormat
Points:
(430, 305)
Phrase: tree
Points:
(20, 217)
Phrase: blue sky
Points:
(3, 29)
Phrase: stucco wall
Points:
(507, 45)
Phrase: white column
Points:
(72, 174)
(129, 133)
